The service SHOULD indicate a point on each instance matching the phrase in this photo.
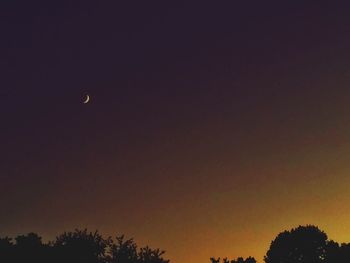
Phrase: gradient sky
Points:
(211, 128)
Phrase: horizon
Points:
(51, 241)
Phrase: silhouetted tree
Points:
(344, 253)
(333, 252)
(29, 241)
(238, 260)
(337, 253)
(6, 249)
(148, 255)
(29, 248)
(215, 260)
(304, 244)
(125, 251)
(81, 246)
(250, 260)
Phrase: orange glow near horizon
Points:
(217, 214)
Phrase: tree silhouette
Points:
(333, 252)
(238, 260)
(125, 251)
(215, 260)
(344, 253)
(29, 248)
(148, 255)
(304, 244)
(6, 249)
(337, 253)
(81, 246)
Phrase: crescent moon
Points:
(87, 99)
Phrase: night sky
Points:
(211, 127)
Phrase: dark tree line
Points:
(75, 247)
(304, 244)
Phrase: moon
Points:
(86, 99)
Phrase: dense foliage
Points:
(306, 244)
